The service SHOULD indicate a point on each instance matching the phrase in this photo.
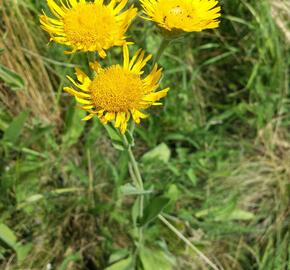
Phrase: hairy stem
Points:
(138, 181)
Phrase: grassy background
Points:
(219, 149)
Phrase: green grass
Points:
(221, 150)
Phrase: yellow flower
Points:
(88, 26)
(118, 93)
(183, 15)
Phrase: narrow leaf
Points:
(7, 236)
(113, 133)
(10, 78)
(13, 132)
(75, 127)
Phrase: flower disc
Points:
(116, 89)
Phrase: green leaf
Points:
(2, 251)
(31, 199)
(7, 236)
(135, 212)
(113, 133)
(239, 214)
(154, 259)
(173, 193)
(115, 137)
(122, 170)
(118, 255)
(217, 213)
(22, 251)
(129, 189)
(218, 58)
(10, 78)
(125, 264)
(118, 146)
(160, 152)
(153, 209)
(71, 258)
(74, 127)
(38, 197)
(192, 177)
(226, 212)
(130, 138)
(13, 132)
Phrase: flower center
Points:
(175, 14)
(117, 90)
(177, 11)
(89, 24)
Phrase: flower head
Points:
(118, 93)
(88, 26)
(183, 15)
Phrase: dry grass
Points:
(18, 43)
(281, 14)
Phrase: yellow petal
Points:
(88, 117)
(76, 93)
(95, 66)
(82, 77)
(84, 101)
(126, 57)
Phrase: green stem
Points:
(137, 178)
(163, 45)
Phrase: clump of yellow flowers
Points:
(118, 93)
(122, 92)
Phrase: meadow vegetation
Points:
(219, 149)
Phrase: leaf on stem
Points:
(161, 152)
(155, 259)
(115, 137)
(153, 209)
